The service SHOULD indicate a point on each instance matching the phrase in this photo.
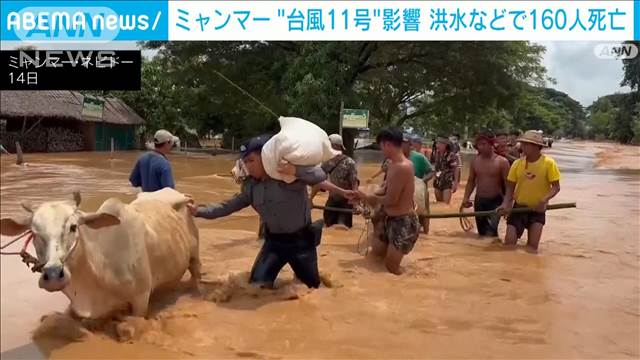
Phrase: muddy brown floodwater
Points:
(461, 297)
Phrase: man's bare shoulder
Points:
(406, 166)
(502, 160)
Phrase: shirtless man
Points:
(400, 223)
(488, 175)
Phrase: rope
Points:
(365, 234)
(465, 223)
(28, 232)
(247, 93)
(362, 246)
(366, 212)
(24, 254)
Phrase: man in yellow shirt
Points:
(532, 181)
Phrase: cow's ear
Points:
(98, 220)
(15, 226)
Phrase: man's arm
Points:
(471, 184)
(429, 172)
(136, 178)
(428, 175)
(555, 189)
(354, 176)
(553, 176)
(166, 177)
(504, 171)
(378, 173)
(507, 203)
(310, 175)
(224, 208)
(542, 205)
(331, 187)
(313, 176)
(314, 191)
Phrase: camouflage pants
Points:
(401, 231)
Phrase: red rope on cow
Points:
(26, 233)
(24, 254)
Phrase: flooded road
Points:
(460, 296)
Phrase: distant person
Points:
(533, 180)
(422, 170)
(396, 217)
(487, 175)
(513, 146)
(447, 175)
(503, 148)
(342, 172)
(434, 142)
(501, 143)
(152, 171)
(455, 146)
(384, 166)
(513, 137)
(416, 145)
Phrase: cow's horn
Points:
(27, 206)
(77, 198)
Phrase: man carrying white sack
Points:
(290, 237)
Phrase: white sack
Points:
(299, 142)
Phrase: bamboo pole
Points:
(459, 215)
(493, 212)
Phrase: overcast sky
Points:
(580, 73)
(573, 64)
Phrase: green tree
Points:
(631, 68)
(449, 85)
(601, 118)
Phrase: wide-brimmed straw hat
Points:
(532, 137)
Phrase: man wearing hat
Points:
(533, 180)
(487, 176)
(290, 237)
(447, 177)
(152, 171)
(342, 172)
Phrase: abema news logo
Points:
(101, 21)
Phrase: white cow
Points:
(114, 258)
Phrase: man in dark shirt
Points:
(152, 171)
(286, 211)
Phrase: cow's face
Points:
(57, 230)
